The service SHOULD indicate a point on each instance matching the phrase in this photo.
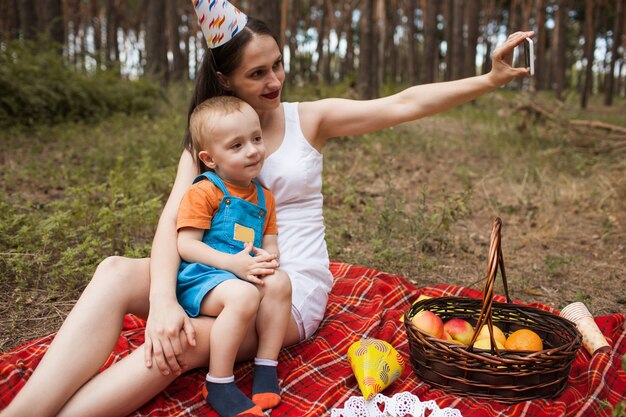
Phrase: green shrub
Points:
(37, 87)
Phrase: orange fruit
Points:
(524, 339)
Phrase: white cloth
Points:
(400, 405)
(294, 175)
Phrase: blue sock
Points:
(228, 400)
(265, 390)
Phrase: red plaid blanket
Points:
(316, 377)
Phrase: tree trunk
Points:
(173, 22)
(28, 19)
(9, 20)
(390, 59)
(458, 40)
(590, 46)
(540, 46)
(55, 24)
(329, 12)
(367, 51)
(269, 12)
(379, 44)
(560, 45)
(156, 53)
(473, 20)
(292, 41)
(322, 38)
(489, 17)
(411, 30)
(448, 26)
(347, 65)
(430, 57)
(618, 26)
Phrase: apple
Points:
(498, 334)
(428, 322)
(420, 298)
(485, 343)
(459, 330)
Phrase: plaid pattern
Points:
(316, 376)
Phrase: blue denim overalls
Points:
(236, 221)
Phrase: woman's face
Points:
(259, 78)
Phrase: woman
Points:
(249, 67)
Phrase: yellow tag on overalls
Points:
(243, 233)
(376, 364)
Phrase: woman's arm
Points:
(270, 245)
(324, 119)
(166, 317)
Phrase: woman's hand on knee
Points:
(168, 332)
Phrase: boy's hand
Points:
(166, 324)
(251, 268)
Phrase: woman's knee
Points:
(127, 278)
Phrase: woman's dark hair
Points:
(224, 59)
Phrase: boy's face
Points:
(235, 150)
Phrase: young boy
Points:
(224, 219)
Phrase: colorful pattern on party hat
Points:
(219, 20)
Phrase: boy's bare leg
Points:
(272, 321)
(87, 336)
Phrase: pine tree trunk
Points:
(379, 45)
(269, 12)
(559, 63)
(156, 53)
(448, 27)
(367, 51)
(173, 22)
(458, 40)
(617, 40)
(430, 57)
(489, 17)
(540, 46)
(28, 19)
(411, 44)
(473, 20)
(590, 46)
(292, 41)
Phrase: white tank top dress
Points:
(294, 175)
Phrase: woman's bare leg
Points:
(128, 384)
(125, 386)
(87, 336)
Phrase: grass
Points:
(416, 200)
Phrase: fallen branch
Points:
(598, 125)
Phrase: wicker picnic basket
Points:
(503, 375)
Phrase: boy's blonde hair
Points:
(204, 116)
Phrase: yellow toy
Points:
(376, 364)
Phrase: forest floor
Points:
(417, 200)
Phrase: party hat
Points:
(219, 20)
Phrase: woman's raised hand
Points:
(502, 70)
(168, 332)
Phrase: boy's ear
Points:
(223, 81)
(206, 158)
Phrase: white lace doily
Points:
(400, 405)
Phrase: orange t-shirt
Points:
(203, 199)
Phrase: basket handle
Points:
(494, 261)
